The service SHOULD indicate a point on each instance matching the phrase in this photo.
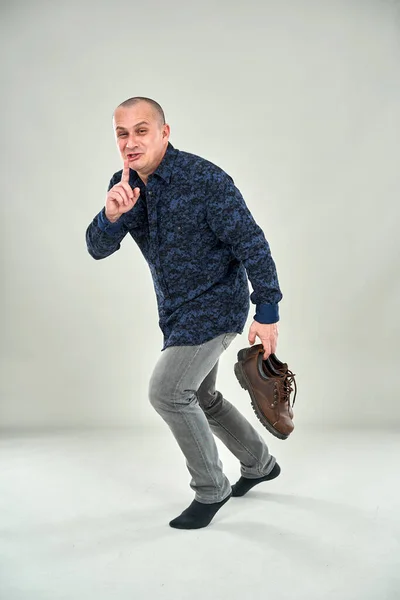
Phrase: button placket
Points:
(153, 227)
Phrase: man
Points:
(199, 239)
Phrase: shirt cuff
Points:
(106, 225)
(267, 313)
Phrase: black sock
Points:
(197, 515)
(244, 484)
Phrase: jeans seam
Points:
(224, 338)
(182, 413)
(238, 441)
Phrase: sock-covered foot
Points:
(197, 515)
(244, 484)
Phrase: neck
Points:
(145, 176)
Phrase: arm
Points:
(232, 222)
(103, 238)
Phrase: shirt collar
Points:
(165, 168)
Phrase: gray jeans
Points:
(182, 390)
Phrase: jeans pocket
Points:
(227, 339)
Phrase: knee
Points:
(155, 392)
(167, 397)
(162, 393)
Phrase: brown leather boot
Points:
(269, 383)
(277, 367)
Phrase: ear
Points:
(166, 131)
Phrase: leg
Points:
(172, 391)
(233, 429)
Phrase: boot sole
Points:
(242, 379)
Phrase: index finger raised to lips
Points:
(125, 171)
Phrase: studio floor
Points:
(84, 515)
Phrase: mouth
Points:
(132, 157)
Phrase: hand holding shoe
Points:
(268, 334)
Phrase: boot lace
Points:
(287, 388)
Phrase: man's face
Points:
(141, 137)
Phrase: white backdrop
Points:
(298, 101)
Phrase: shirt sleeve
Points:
(103, 238)
(231, 221)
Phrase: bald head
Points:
(141, 134)
(156, 108)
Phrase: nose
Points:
(131, 141)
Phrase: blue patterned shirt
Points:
(200, 240)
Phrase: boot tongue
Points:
(267, 369)
(281, 364)
(259, 348)
(281, 370)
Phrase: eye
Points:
(142, 130)
(121, 134)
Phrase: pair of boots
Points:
(269, 383)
